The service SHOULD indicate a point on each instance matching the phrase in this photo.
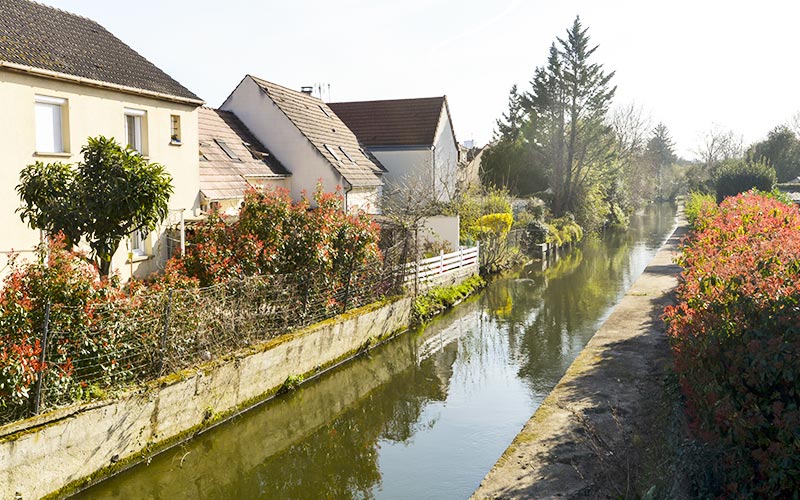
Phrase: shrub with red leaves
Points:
(735, 335)
(273, 236)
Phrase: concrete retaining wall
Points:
(55, 453)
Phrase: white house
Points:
(231, 161)
(309, 139)
(412, 138)
(64, 78)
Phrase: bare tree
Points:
(631, 125)
(717, 145)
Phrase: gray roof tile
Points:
(222, 177)
(321, 127)
(42, 37)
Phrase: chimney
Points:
(306, 90)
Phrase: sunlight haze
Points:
(688, 64)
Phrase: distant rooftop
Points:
(45, 38)
(396, 122)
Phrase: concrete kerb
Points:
(608, 386)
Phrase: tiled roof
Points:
(329, 135)
(396, 122)
(223, 177)
(45, 38)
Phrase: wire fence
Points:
(90, 352)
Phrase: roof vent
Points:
(306, 90)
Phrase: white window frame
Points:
(175, 129)
(139, 116)
(51, 140)
(139, 243)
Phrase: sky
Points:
(693, 65)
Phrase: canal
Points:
(424, 416)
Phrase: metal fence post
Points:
(37, 397)
(167, 311)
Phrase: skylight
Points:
(347, 155)
(331, 151)
(228, 151)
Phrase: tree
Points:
(660, 150)
(510, 162)
(781, 149)
(113, 192)
(567, 106)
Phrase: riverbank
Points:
(601, 430)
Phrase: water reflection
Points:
(424, 416)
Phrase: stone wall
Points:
(58, 452)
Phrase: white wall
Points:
(411, 167)
(366, 199)
(90, 112)
(406, 168)
(446, 160)
(282, 138)
(442, 228)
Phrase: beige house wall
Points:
(91, 111)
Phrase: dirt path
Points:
(600, 432)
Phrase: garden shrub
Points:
(699, 207)
(735, 335)
(739, 176)
(563, 231)
(77, 295)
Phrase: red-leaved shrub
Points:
(735, 335)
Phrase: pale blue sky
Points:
(690, 64)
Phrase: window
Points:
(175, 129)
(324, 111)
(227, 149)
(134, 129)
(138, 239)
(50, 124)
(330, 150)
(347, 155)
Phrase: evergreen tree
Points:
(660, 150)
(567, 105)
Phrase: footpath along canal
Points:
(424, 416)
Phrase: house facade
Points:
(310, 140)
(64, 78)
(232, 160)
(413, 139)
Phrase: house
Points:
(64, 78)
(412, 138)
(231, 161)
(310, 141)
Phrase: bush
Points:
(72, 286)
(739, 176)
(735, 335)
(699, 207)
(563, 231)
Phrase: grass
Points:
(438, 299)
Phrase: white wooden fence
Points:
(444, 263)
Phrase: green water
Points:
(424, 416)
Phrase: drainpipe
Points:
(346, 192)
